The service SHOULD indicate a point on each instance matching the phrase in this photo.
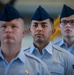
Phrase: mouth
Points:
(67, 30)
(8, 37)
(39, 35)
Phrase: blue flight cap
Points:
(9, 13)
(41, 14)
(66, 11)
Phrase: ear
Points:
(53, 31)
(59, 26)
(30, 30)
(24, 32)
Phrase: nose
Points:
(68, 25)
(8, 29)
(39, 27)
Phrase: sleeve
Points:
(69, 65)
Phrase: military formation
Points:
(43, 57)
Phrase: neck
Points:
(69, 41)
(40, 46)
(10, 51)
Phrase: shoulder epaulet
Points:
(35, 58)
(27, 49)
(57, 41)
(60, 49)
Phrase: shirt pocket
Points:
(56, 69)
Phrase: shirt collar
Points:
(32, 48)
(61, 42)
(20, 56)
(1, 55)
(48, 48)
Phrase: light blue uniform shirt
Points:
(23, 64)
(60, 42)
(58, 60)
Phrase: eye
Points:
(63, 22)
(3, 26)
(44, 25)
(72, 21)
(14, 26)
(35, 25)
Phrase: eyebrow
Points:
(40, 23)
(67, 20)
(44, 23)
(35, 23)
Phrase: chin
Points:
(8, 41)
(68, 36)
(39, 40)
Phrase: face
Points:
(12, 32)
(41, 31)
(67, 26)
